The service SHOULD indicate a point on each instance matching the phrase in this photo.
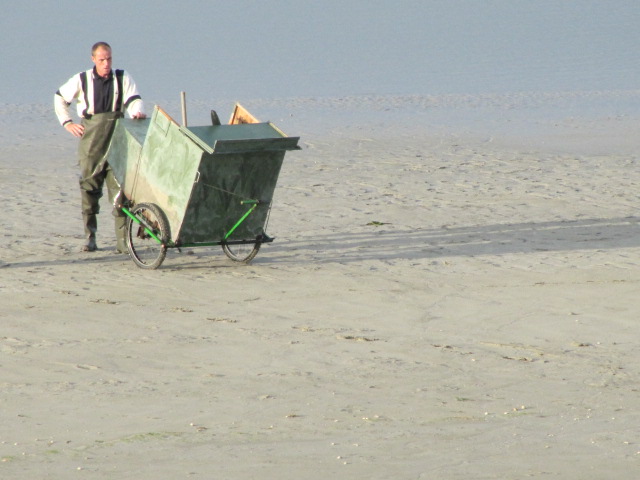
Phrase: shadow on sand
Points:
(385, 243)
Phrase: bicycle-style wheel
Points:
(241, 252)
(145, 250)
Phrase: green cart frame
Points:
(196, 186)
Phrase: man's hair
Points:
(98, 45)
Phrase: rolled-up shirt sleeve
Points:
(64, 97)
(133, 103)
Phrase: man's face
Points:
(102, 59)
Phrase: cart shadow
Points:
(386, 243)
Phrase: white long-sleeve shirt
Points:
(73, 90)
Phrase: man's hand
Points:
(139, 116)
(74, 129)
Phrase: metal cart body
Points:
(213, 184)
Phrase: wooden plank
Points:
(241, 115)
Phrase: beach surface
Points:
(453, 288)
(452, 293)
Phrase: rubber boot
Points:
(90, 230)
(121, 245)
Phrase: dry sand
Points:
(436, 305)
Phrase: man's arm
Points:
(61, 103)
(132, 101)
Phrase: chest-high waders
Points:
(94, 171)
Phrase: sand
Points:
(445, 299)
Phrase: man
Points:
(102, 96)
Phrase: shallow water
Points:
(287, 48)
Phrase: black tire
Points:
(241, 252)
(145, 250)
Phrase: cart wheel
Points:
(241, 252)
(145, 250)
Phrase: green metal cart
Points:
(196, 186)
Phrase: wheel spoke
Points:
(241, 252)
(145, 250)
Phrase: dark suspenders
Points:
(119, 75)
(83, 81)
